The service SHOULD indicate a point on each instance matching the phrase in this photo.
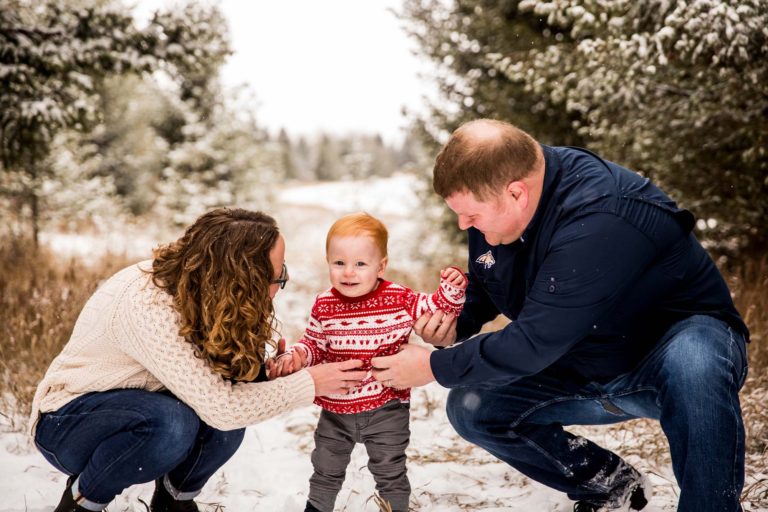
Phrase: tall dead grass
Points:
(750, 287)
(41, 296)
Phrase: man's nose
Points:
(464, 223)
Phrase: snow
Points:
(272, 468)
(378, 196)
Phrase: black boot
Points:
(162, 501)
(630, 488)
(67, 503)
(311, 508)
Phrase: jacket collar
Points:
(552, 172)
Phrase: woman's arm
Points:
(147, 329)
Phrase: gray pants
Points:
(384, 432)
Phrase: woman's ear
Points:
(382, 267)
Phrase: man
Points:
(617, 313)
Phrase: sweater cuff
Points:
(302, 386)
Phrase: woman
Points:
(157, 379)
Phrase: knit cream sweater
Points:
(127, 337)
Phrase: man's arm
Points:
(593, 262)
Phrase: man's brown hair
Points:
(219, 275)
(482, 157)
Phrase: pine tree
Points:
(676, 90)
(54, 58)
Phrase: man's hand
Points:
(438, 328)
(406, 369)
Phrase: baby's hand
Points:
(455, 277)
(280, 366)
(287, 363)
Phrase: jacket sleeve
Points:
(147, 328)
(591, 264)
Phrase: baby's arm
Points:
(455, 277)
(449, 297)
(308, 351)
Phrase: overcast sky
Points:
(333, 65)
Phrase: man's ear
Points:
(520, 192)
(382, 267)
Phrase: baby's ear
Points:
(382, 266)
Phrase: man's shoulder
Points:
(587, 182)
(582, 165)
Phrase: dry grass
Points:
(40, 298)
(750, 287)
(380, 502)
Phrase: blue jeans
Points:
(115, 439)
(689, 382)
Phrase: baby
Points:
(360, 317)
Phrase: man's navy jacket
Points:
(606, 265)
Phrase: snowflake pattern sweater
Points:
(373, 325)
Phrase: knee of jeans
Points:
(698, 364)
(462, 407)
(175, 429)
(228, 441)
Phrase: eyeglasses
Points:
(283, 277)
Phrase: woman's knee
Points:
(226, 442)
(173, 429)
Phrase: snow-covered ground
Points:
(271, 470)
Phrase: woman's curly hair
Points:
(219, 274)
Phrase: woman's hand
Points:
(336, 378)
